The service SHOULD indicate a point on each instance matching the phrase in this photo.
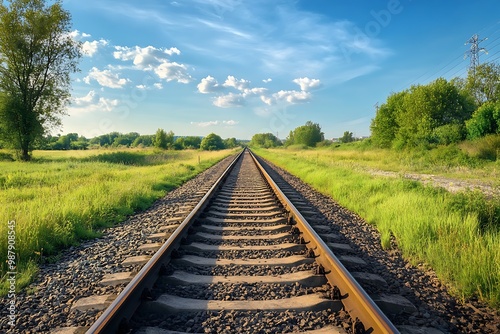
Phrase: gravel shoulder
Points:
(437, 306)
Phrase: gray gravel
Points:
(436, 306)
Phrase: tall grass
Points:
(456, 234)
(60, 199)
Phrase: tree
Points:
(347, 137)
(265, 140)
(37, 55)
(309, 134)
(384, 126)
(192, 142)
(484, 121)
(230, 143)
(144, 140)
(160, 139)
(484, 83)
(212, 142)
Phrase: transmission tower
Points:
(474, 51)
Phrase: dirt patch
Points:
(450, 184)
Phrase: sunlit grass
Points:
(456, 234)
(63, 197)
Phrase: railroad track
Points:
(243, 260)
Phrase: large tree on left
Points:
(37, 56)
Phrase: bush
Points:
(449, 134)
(487, 147)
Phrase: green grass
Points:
(458, 235)
(63, 197)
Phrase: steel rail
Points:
(356, 302)
(126, 303)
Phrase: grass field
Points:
(458, 235)
(63, 197)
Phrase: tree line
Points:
(441, 112)
(161, 139)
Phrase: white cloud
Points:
(105, 78)
(173, 71)
(229, 101)
(240, 85)
(144, 58)
(156, 60)
(90, 48)
(230, 122)
(293, 96)
(254, 91)
(215, 123)
(205, 124)
(267, 80)
(157, 85)
(307, 84)
(208, 85)
(77, 35)
(92, 102)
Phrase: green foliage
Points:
(163, 139)
(192, 142)
(487, 147)
(37, 56)
(422, 115)
(384, 126)
(143, 141)
(230, 143)
(484, 83)
(448, 134)
(212, 142)
(347, 137)
(309, 134)
(485, 120)
(265, 140)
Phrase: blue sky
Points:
(240, 67)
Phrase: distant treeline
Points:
(162, 139)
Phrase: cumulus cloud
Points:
(293, 96)
(245, 92)
(105, 78)
(240, 85)
(267, 80)
(156, 60)
(158, 85)
(90, 48)
(78, 35)
(307, 84)
(229, 101)
(92, 102)
(208, 85)
(173, 72)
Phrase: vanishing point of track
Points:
(244, 233)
